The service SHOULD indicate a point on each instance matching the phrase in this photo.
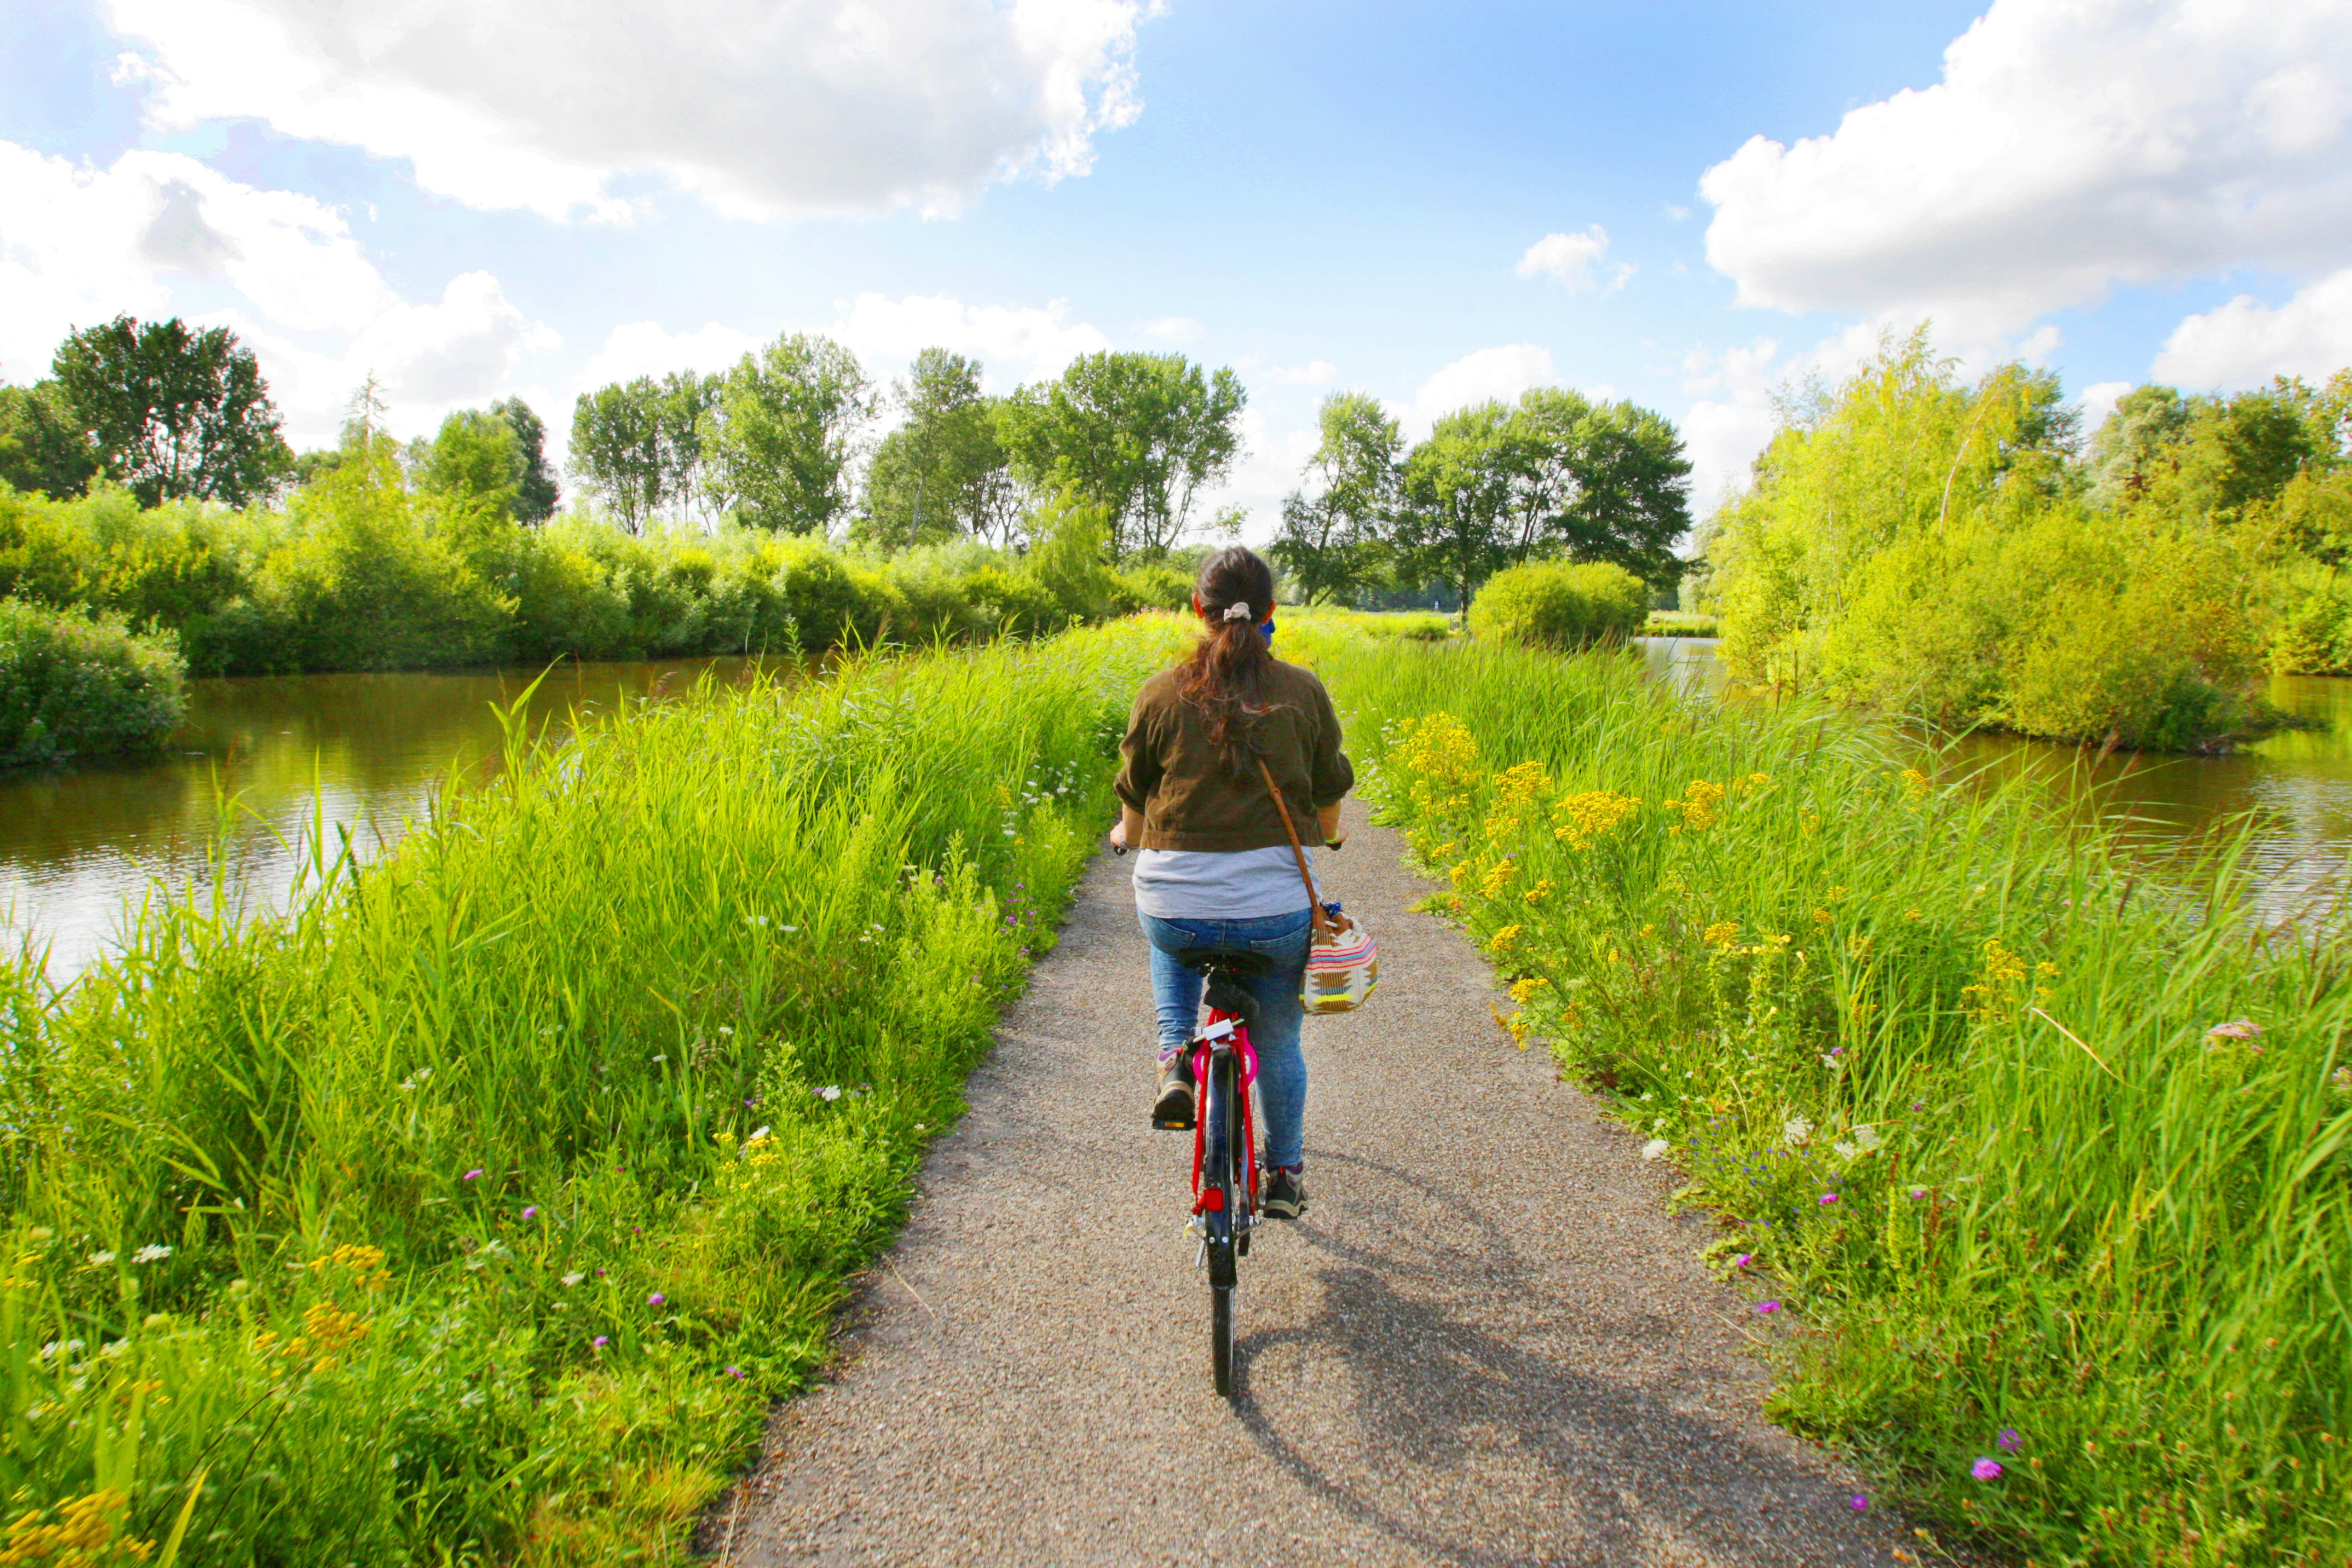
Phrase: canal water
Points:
(81, 845)
(2294, 788)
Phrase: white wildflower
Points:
(657, 1060)
(572, 1280)
(1795, 1131)
(153, 1252)
(830, 1092)
(725, 1029)
(762, 1133)
(788, 928)
(100, 1259)
(1654, 1147)
(1867, 1136)
(1843, 1150)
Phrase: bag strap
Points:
(1321, 922)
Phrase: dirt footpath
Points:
(1485, 1343)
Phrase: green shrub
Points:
(1152, 585)
(70, 686)
(2314, 632)
(1552, 604)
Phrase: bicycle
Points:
(1225, 1138)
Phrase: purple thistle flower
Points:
(1765, 1309)
(1859, 1503)
(472, 1173)
(1828, 1198)
(1985, 1469)
(735, 1371)
(530, 1211)
(655, 1300)
(1742, 1261)
(1918, 1193)
(600, 1341)
(2008, 1442)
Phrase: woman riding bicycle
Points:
(1216, 868)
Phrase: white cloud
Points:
(1574, 260)
(2098, 401)
(1489, 374)
(762, 106)
(1014, 343)
(1723, 433)
(1172, 328)
(2071, 145)
(645, 348)
(158, 234)
(2245, 342)
(1314, 373)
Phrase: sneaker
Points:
(1285, 1195)
(1172, 1111)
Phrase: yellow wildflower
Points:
(1585, 817)
(82, 1537)
(1539, 892)
(1698, 804)
(1503, 939)
(1523, 989)
(1916, 784)
(1913, 915)
(1724, 934)
(1499, 876)
(331, 1327)
(1822, 916)
(1835, 895)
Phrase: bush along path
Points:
(2048, 1153)
(1487, 1343)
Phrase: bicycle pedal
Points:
(1169, 1124)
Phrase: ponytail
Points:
(1224, 679)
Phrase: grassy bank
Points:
(73, 687)
(2034, 1173)
(474, 1210)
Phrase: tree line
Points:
(1122, 447)
(784, 441)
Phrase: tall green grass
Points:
(1987, 1114)
(474, 1210)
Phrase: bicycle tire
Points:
(1221, 1339)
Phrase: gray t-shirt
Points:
(1219, 885)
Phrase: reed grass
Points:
(2025, 1158)
(475, 1209)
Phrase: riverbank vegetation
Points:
(476, 1208)
(71, 687)
(2036, 1173)
(1557, 604)
(1954, 553)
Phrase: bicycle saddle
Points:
(1225, 969)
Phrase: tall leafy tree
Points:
(477, 459)
(42, 445)
(1331, 538)
(172, 413)
(790, 418)
(1457, 524)
(1138, 435)
(645, 446)
(535, 491)
(1630, 499)
(937, 475)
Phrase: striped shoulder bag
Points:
(1343, 963)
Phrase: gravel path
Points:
(1487, 1343)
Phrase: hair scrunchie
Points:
(1238, 612)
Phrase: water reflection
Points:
(79, 845)
(2296, 785)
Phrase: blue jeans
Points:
(1281, 1067)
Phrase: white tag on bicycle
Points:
(1218, 1031)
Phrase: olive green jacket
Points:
(1193, 796)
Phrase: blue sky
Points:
(1432, 204)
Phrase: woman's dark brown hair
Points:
(1225, 679)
